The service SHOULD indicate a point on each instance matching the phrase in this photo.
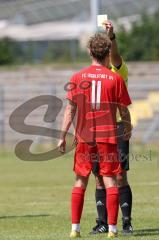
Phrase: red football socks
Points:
(77, 204)
(112, 205)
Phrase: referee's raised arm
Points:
(116, 58)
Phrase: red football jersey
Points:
(97, 92)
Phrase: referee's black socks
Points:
(100, 196)
(125, 198)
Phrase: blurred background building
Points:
(65, 19)
(54, 34)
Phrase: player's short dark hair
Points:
(99, 46)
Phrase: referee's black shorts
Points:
(123, 147)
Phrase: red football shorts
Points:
(105, 153)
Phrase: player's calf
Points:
(77, 203)
(112, 202)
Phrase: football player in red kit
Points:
(117, 65)
(94, 95)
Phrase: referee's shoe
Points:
(101, 227)
(127, 227)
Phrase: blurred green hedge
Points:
(141, 43)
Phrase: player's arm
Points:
(126, 119)
(116, 58)
(69, 114)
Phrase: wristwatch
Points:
(113, 37)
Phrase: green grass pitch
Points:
(35, 198)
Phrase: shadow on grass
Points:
(137, 233)
(26, 216)
(147, 232)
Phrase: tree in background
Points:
(141, 43)
(6, 52)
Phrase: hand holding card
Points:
(101, 19)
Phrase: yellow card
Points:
(101, 19)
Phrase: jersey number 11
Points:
(96, 98)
